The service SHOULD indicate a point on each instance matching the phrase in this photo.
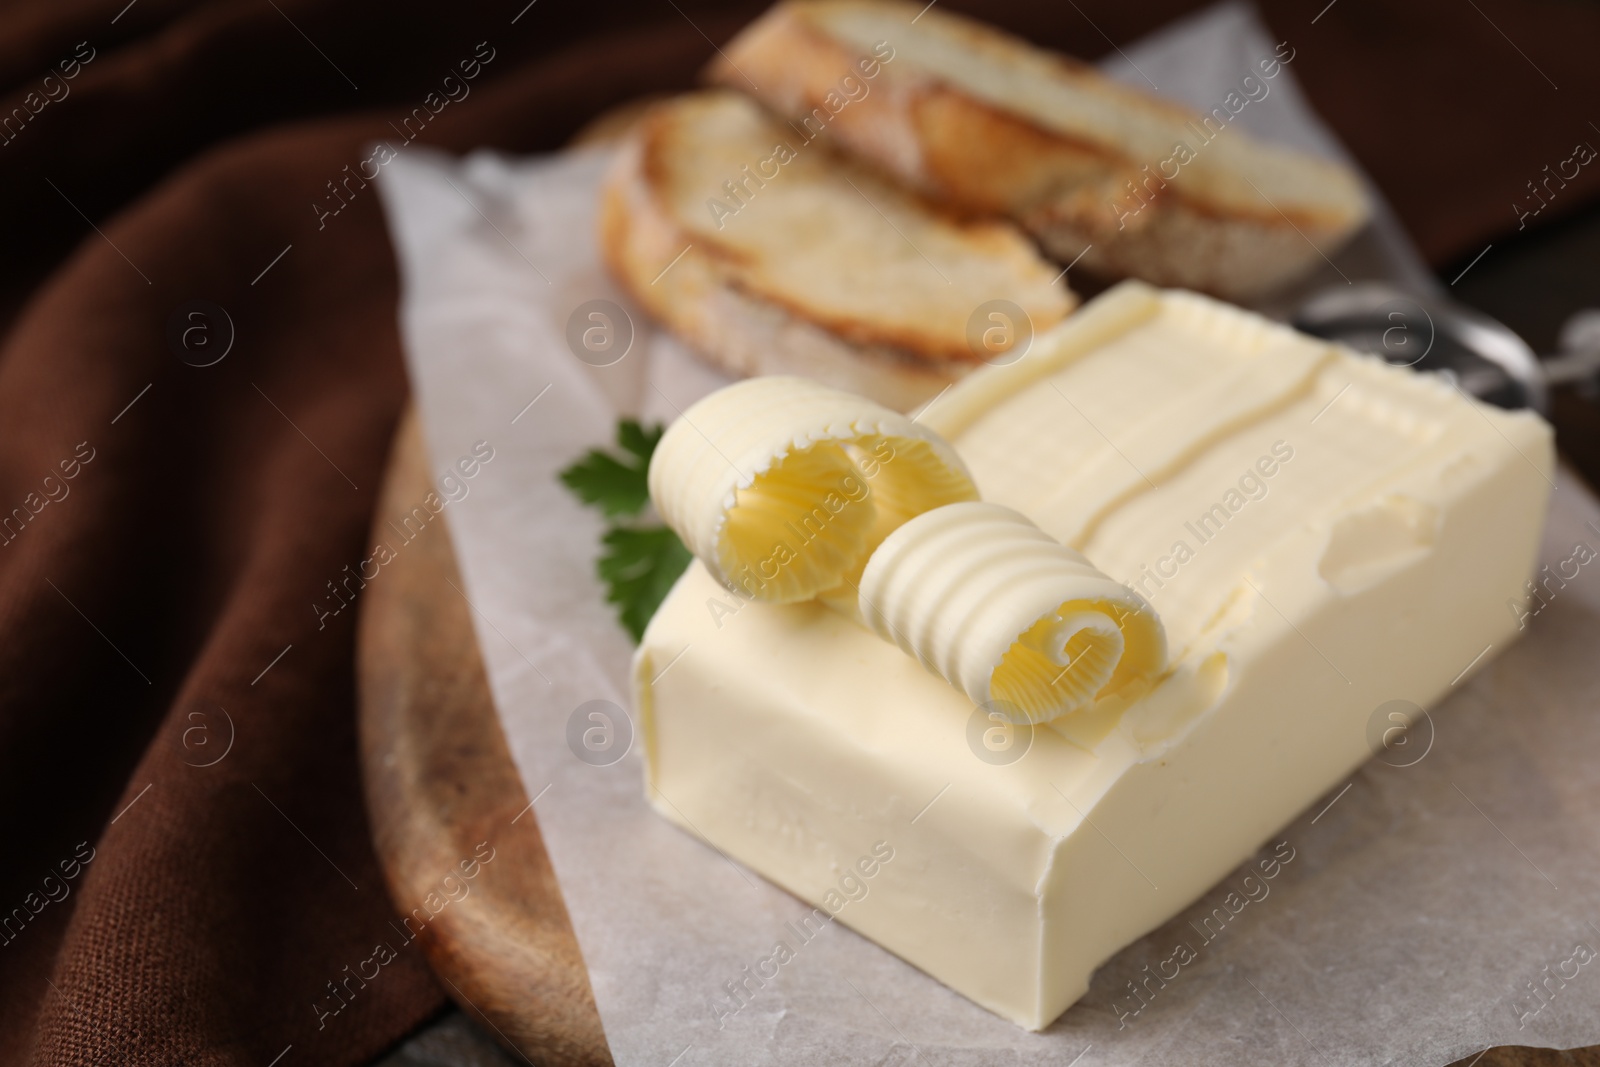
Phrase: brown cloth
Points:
(188, 873)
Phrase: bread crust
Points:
(738, 334)
(934, 133)
(715, 295)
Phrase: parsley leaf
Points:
(639, 561)
(638, 440)
(617, 486)
(639, 566)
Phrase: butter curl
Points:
(783, 487)
(1007, 614)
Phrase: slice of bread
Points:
(985, 121)
(774, 255)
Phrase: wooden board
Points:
(439, 780)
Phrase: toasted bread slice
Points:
(773, 255)
(1139, 186)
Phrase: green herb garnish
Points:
(640, 560)
(616, 486)
(639, 566)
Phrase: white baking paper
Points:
(1424, 903)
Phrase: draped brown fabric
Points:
(188, 874)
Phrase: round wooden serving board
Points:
(439, 780)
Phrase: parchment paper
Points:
(1422, 904)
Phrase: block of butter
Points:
(1319, 534)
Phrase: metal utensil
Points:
(1431, 333)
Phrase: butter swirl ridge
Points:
(997, 607)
